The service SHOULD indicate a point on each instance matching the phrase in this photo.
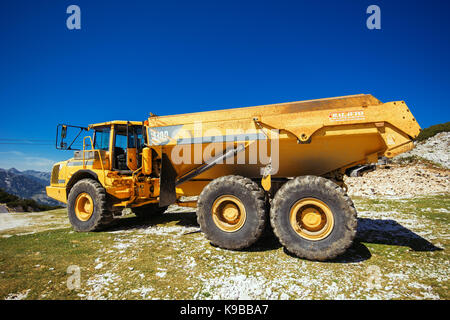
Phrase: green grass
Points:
(400, 253)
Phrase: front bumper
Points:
(57, 193)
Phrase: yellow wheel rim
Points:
(228, 213)
(311, 219)
(84, 206)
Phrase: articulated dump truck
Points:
(245, 170)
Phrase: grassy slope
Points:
(433, 130)
(397, 255)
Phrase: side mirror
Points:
(63, 132)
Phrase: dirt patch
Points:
(16, 223)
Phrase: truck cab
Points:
(111, 154)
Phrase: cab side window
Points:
(135, 139)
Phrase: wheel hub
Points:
(84, 206)
(312, 219)
(228, 213)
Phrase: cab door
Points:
(127, 146)
(120, 148)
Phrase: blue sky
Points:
(166, 57)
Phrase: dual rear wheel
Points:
(311, 216)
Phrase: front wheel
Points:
(87, 206)
(313, 218)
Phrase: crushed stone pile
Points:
(436, 149)
(408, 180)
(400, 181)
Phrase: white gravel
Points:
(436, 149)
(400, 181)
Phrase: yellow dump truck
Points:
(245, 170)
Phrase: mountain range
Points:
(28, 184)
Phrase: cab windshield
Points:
(101, 138)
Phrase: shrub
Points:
(433, 130)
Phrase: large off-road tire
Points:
(313, 218)
(87, 206)
(148, 211)
(232, 212)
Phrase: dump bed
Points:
(313, 136)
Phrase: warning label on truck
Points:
(347, 115)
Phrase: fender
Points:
(79, 175)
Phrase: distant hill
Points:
(27, 184)
(42, 176)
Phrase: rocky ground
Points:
(397, 180)
(425, 170)
(435, 149)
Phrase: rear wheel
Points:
(87, 206)
(231, 212)
(313, 218)
(150, 210)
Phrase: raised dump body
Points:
(277, 166)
